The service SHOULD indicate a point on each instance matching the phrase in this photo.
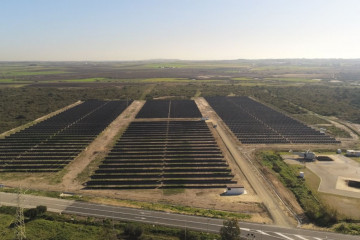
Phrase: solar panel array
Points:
(163, 154)
(169, 109)
(255, 123)
(51, 144)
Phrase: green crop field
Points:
(31, 73)
(85, 80)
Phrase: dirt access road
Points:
(273, 204)
(99, 147)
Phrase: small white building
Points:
(234, 189)
(353, 153)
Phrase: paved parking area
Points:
(333, 174)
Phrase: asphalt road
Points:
(260, 231)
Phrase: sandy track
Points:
(100, 146)
(272, 203)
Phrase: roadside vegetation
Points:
(143, 205)
(316, 210)
(46, 225)
(337, 132)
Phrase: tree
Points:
(41, 209)
(230, 230)
(31, 213)
(133, 231)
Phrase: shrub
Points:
(41, 209)
(133, 231)
(188, 235)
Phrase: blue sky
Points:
(173, 29)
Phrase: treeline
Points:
(342, 102)
(21, 105)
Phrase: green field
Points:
(299, 80)
(31, 73)
(6, 80)
(85, 80)
(149, 80)
(310, 119)
(242, 79)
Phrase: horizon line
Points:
(185, 60)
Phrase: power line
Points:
(19, 221)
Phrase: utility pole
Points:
(19, 221)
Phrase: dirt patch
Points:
(199, 198)
(347, 208)
(285, 193)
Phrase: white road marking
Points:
(301, 237)
(282, 235)
(318, 238)
(245, 229)
(146, 221)
(262, 232)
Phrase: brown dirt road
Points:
(273, 204)
(100, 146)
